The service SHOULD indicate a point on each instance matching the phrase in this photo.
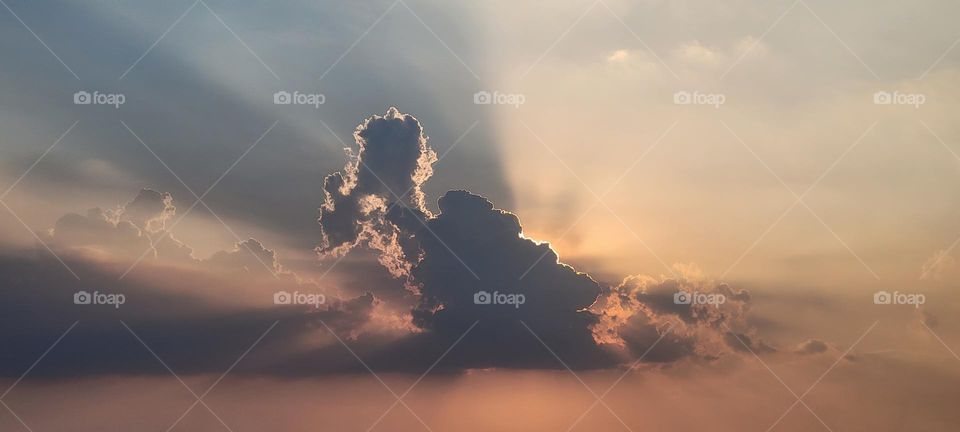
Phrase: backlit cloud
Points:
(477, 283)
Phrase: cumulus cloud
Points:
(129, 230)
(694, 315)
(392, 161)
(149, 209)
(474, 282)
(471, 248)
(139, 226)
(251, 257)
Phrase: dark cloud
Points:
(199, 315)
(392, 163)
(471, 248)
(473, 282)
(189, 319)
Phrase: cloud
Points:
(745, 343)
(475, 285)
(190, 316)
(249, 256)
(392, 163)
(129, 230)
(149, 209)
(811, 346)
(198, 314)
(643, 309)
(471, 248)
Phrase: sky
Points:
(422, 216)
